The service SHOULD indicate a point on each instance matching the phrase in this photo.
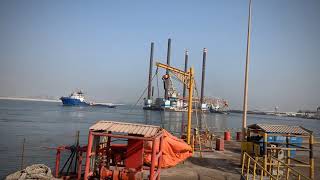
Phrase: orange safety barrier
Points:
(174, 150)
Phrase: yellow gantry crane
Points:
(186, 78)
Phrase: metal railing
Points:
(253, 168)
(275, 163)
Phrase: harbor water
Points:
(49, 124)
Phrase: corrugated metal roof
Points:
(129, 128)
(285, 129)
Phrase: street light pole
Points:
(245, 96)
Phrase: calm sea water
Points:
(49, 124)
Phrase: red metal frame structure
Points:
(78, 153)
(107, 159)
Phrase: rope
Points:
(203, 120)
(158, 85)
(196, 104)
(159, 97)
(144, 91)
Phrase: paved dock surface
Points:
(218, 165)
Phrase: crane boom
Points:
(176, 70)
(181, 75)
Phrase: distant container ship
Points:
(77, 99)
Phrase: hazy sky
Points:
(53, 47)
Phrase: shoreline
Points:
(28, 99)
(282, 114)
(52, 100)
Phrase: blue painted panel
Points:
(72, 102)
(282, 139)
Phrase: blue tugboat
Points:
(74, 99)
(77, 99)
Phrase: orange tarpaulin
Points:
(174, 150)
